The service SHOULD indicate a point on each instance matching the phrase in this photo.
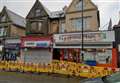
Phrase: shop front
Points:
(12, 49)
(36, 49)
(98, 48)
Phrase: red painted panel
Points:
(114, 58)
(34, 38)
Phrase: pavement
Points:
(15, 77)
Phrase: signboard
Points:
(12, 46)
(36, 43)
(101, 36)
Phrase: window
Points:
(36, 26)
(62, 27)
(39, 26)
(54, 28)
(37, 12)
(66, 53)
(79, 5)
(33, 26)
(77, 23)
(2, 31)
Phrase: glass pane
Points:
(62, 27)
(33, 26)
(37, 12)
(1, 31)
(39, 26)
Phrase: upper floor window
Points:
(37, 12)
(62, 27)
(36, 26)
(2, 31)
(77, 23)
(39, 26)
(33, 26)
(79, 5)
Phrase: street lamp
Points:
(82, 43)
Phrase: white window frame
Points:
(2, 33)
(76, 23)
(62, 27)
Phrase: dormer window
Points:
(37, 12)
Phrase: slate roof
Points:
(54, 14)
(16, 19)
(57, 14)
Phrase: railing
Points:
(58, 67)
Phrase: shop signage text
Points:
(105, 36)
(36, 43)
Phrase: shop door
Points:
(56, 54)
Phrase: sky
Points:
(109, 9)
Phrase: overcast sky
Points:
(108, 8)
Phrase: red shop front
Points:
(36, 49)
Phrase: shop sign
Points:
(12, 46)
(105, 36)
(36, 43)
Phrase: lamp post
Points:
(82, 43)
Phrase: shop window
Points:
(101, 56)
(66, 53)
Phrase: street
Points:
(13, 77)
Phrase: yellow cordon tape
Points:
(58, 67)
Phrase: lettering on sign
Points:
(36, 43)
(88, 37)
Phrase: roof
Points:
(54, 14)
(16, 19)
(57, 14)
(47, 10)
(38, 2)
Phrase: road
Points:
(13, 77)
